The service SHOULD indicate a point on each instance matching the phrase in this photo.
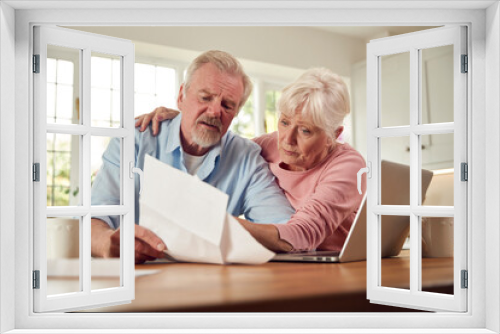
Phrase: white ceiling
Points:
(370, 32)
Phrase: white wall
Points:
(7, 173)
(296, 47)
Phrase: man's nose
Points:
(215, 108)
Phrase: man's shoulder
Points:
(236, 142)
(241, 149)
(147, 134)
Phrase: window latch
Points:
(368, 171)
(134, 170)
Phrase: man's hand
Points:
(156, 116)
(106, 242)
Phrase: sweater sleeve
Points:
(335, 197)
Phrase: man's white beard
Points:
(205, 138)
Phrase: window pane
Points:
(395, 179)
(65, 72)
(64, 103)
(101, 71)
(271, 115)
(144, 103)
(437, 254)
(437, 84)
(63, 176)
(395, 89)
(165, 87)
(116, 74)
(145, 78)
(51, 69)
(116, 109)
(101, 103)
(105, 272)
(244, 123)
(105, 90)
(98, 146)
(63, 255)
(395, 265)
(437, 155)
(62, 88)
(51, 102)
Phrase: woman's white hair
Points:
(320, 95)
(226, 63)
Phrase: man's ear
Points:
(180, 97)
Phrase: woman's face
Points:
(301, 144)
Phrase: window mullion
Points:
(415, 179)
(85, 167)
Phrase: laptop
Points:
(394, 231)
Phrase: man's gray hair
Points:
(320, 95)
(226, 63)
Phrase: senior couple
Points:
(296, 187)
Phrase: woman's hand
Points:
(267, 235)
(156, 116)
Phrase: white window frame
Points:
(484, 104)
(86, 43)
(413, 44)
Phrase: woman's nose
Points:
(290, 137)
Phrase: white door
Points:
(417, 116)
(83, 97)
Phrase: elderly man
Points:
(196, 142)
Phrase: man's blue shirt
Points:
(234, 166)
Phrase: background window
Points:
(271, 112)
(244, 123)
(154, 86)
(105, 91)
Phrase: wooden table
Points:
(274, 287)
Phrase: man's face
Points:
(208, 106)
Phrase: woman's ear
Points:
(339, 131)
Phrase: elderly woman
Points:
(315, 170)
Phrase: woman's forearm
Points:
(267, 235)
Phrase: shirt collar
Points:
(174, 139)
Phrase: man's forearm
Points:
(267, 235)
(100, 238)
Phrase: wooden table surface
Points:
(274, 286)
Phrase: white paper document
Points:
(190, 216)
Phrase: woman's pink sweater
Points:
(325, 197)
